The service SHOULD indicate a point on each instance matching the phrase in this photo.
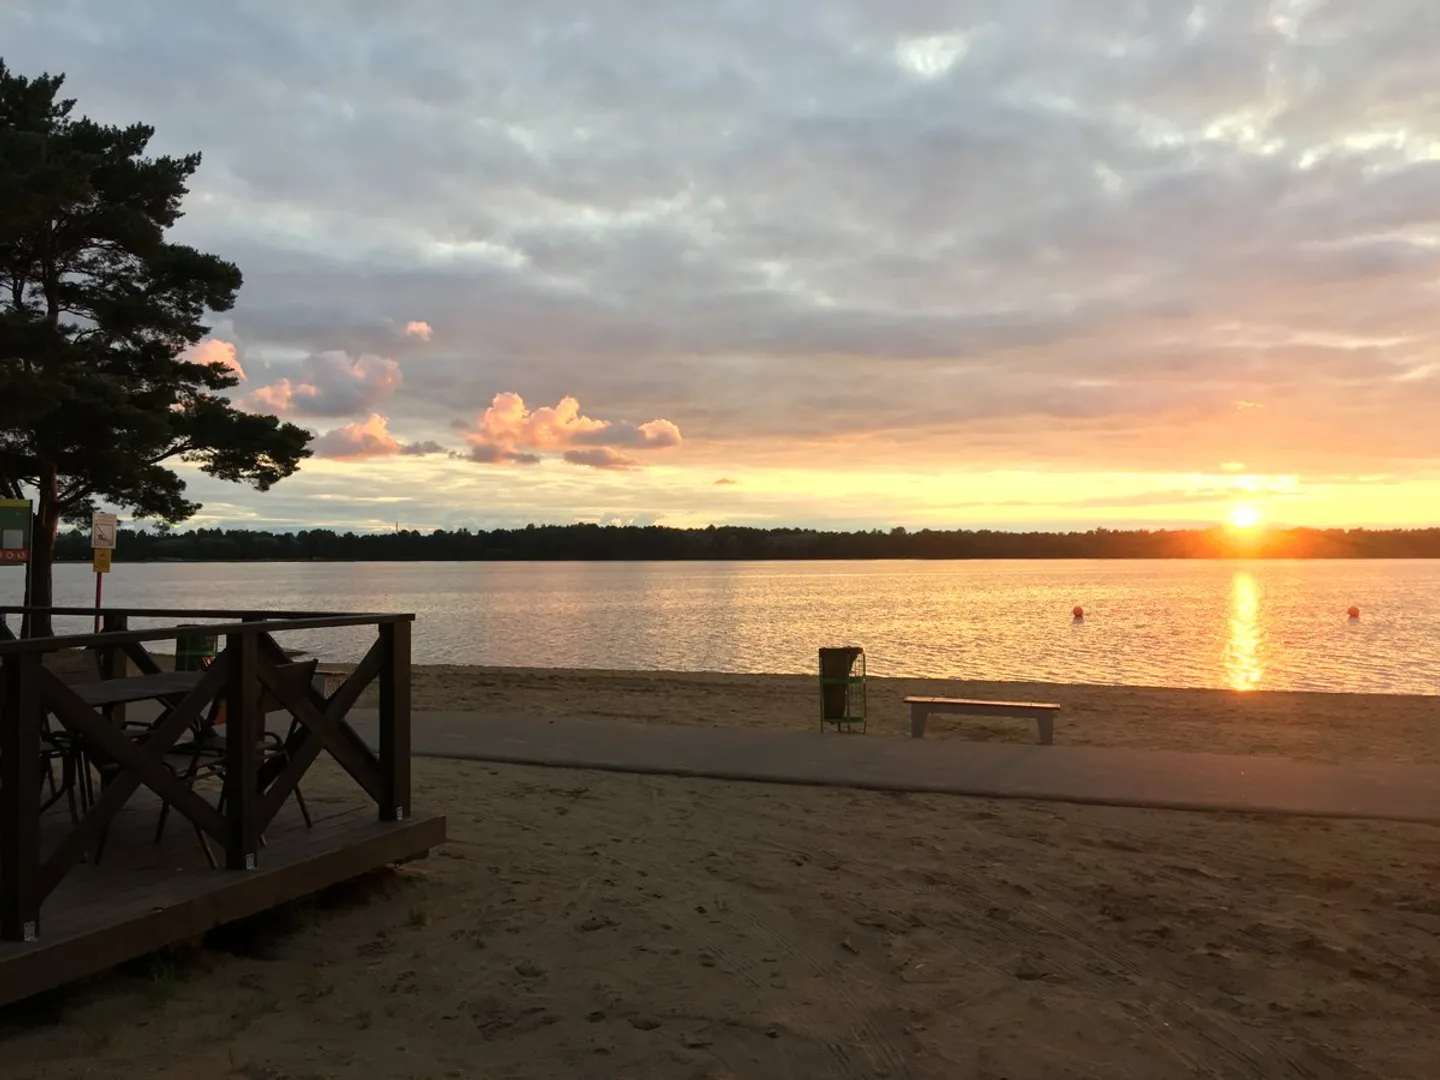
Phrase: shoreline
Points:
(1341, 728)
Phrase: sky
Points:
(838, 263)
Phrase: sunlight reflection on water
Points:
(1256, 625)
(1243, 667)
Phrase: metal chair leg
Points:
(205, 847)
(304, 810)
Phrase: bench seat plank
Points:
(1042, 712)
(969, 702)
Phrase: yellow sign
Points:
(101, 562)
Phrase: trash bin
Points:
(842, 687)
(193, 650)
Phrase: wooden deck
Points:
(66, 912)
(144, 896)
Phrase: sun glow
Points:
(1246, 516)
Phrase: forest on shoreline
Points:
(589, 542)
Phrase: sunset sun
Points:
(1246, 516)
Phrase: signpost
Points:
(14, 531)
(15, 518)
(102, 531)
(103, 528)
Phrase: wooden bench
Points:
(1042, 713)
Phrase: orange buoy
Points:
(1078, 612)
(1354, 613)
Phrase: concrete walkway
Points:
(1080, 774)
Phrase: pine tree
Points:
(97, 310)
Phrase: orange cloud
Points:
(369, 438)
(272, 399)
(214, 351)
(652, 435)
(509, 432)
(330, 384)
(509, 423)
(418, 328)
(601, 457)
(352, 442)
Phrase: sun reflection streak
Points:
(1243, 669)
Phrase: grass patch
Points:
(162, 983)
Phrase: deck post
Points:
(20, 796)
(113, 662)
(395, 720)
(243, 724)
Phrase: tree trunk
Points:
(42, 557)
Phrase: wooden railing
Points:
(254, 787)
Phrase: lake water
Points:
(1266, 625)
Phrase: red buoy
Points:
(1354, 613)
(1078, 612)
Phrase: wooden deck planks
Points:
(144, 896)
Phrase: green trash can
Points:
(194, 649)
(842, 688)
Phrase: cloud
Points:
(418, 329)
(330, 384)
(601, 457)
(1065, 235)
(509, 424)
(725, 481)
(652, 435)
(352, 442)
(214, 351)
(490, 454)
(277, 399)
(421, 449)
(369, 438)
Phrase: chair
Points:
(204, 754)
(84, 671)
(55, 746)
(59, 745)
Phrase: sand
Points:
(1317, 727)
(595, 925)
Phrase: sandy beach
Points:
(1315, 727)
(597, 925)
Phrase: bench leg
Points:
(1047, 729)
(918, 714)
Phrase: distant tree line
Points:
(655, 542)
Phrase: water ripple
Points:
(1264, 625)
